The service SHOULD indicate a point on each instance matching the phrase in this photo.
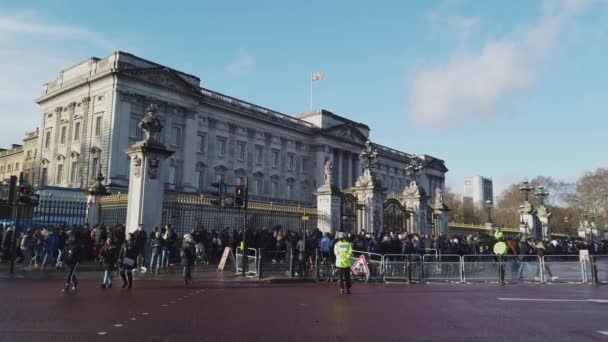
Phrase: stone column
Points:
(349, 171)
(370, 193)
(146, 185)
(544, 217)
(329, 207)
(189, 184)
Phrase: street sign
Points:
(359, 267)
(305, 218)
(500, 248)
(220, 267)
(583, 255)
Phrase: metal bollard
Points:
(409, 269)
(291, 263)
(594, 270)
(260, 276)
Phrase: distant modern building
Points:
(477, 190)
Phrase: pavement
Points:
(167, 310)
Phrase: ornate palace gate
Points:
(395, 216)
(348, 213)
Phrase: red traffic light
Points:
(25, 190)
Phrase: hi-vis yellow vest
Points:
(498, 235)
(343, 250)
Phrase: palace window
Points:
(47, 139)
(74, 172)
(259, 154)
(44, 177)
(98, 126)
(275, 158)
(290, 162)
(176, 136)
(275, 189)
(94, 166)
(241, 149)
(77, 131)
(221, 146)
(172, 175)
(59, 177)
(201, 143)
(289, 191)
(258, 187)
(16, 166)
(134, 130)
(63, 134)
(304, 165)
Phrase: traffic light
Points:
(217, 193)
(239, 195)
(27, 196)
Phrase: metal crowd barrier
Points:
(251, 264)
(481, 267)
(275, 264)
(402, 268)
(563, 269)
(600, 267)
(442, 268)
(523, 269)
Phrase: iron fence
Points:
(186, 211)
(55, 211)
(113, 209)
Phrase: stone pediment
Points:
(347, 132)
(165, 77)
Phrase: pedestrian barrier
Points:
(251, 263)
(563, 269)
(275, 264)
(402, 268)
(442, 268)
(600, 263)
(523, 268)
(482, 268)
(374, 263)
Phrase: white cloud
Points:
(243, 64)
(473, 83)
(445, 17)
(33, 50)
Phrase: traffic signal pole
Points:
(15, 216)
(246, 201)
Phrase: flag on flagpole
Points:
(317, 76)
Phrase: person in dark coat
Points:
(128, 261)
(156, 252)
(188, 255)
(72, 256)
(109, 256)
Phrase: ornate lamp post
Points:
(526, 188)
(489, 207)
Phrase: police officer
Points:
(343, 250)
(498, 234)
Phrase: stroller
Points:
(201, 256)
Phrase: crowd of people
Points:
(65, 247)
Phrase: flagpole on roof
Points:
(312, 76)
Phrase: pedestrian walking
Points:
(109, 256)
(128, 261)
(188, 255)
(140, 242)
(343, 250)
(72, 256)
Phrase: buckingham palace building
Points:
(89, 116)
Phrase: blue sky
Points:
(508, 90)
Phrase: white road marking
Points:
(101, 333)
(133, 319)
(118, 325)
(165, 305)
(553, 300)
(145, 313)
(603, 332)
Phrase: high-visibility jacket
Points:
(498, 235)
(343, 251)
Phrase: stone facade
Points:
(90, 113)
(20, 158)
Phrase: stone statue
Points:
(150, 124)
(438, 198)
(329, 173)
(368, 156)
(412, 190)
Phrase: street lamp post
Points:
(526, 188)
(489, 207)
